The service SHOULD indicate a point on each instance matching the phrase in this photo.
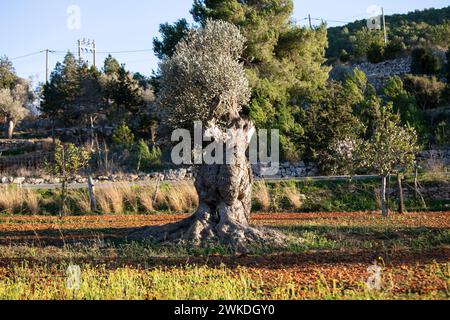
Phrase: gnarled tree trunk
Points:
(224, 207)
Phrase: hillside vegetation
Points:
(405, 31)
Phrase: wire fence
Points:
(31, 161)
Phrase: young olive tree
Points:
(205, 81)
(67, 161)
(392, 149)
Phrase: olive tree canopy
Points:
(204, 80)
(13, 104)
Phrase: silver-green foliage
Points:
(13, 101)
(204, 80)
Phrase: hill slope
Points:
(430, 26)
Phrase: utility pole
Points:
(46, 66)
(310, 23)
(94, 46)
(384, 27)
(88, 46)
(79, 50)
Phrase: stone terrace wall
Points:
(289, 170)
(435, 191)
(377, 74)
(428, 160)
(435, 157)
(14, 145)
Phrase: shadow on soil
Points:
(341, 245)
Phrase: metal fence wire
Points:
(29, 161)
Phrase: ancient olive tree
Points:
(205, 81)
(285, 63)
(391, 149)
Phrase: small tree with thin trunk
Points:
(205, 81)
(67, 161)
(392, 149)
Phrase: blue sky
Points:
(29, 26)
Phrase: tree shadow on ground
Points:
(115, 251)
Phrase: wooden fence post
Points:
(91, 188)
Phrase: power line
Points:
(110, 52)
(28, 55)
(60, 52)
(130, 51)
(357, 17)
(329, 20)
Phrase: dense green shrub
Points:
(147, 159)
(331, 127)
(428, 91)
(395, 47)
(442, 133)
(375, 53)
(344, 56)
(424, 61)
(448, 65)
(363, 40)
(341, 72)
(123, 137)
(405, 104)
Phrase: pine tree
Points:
(74, 93)
(147, 159)
(123, 137)
(171, 35)
(60, 94)
(111, 66)
(124, 92)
